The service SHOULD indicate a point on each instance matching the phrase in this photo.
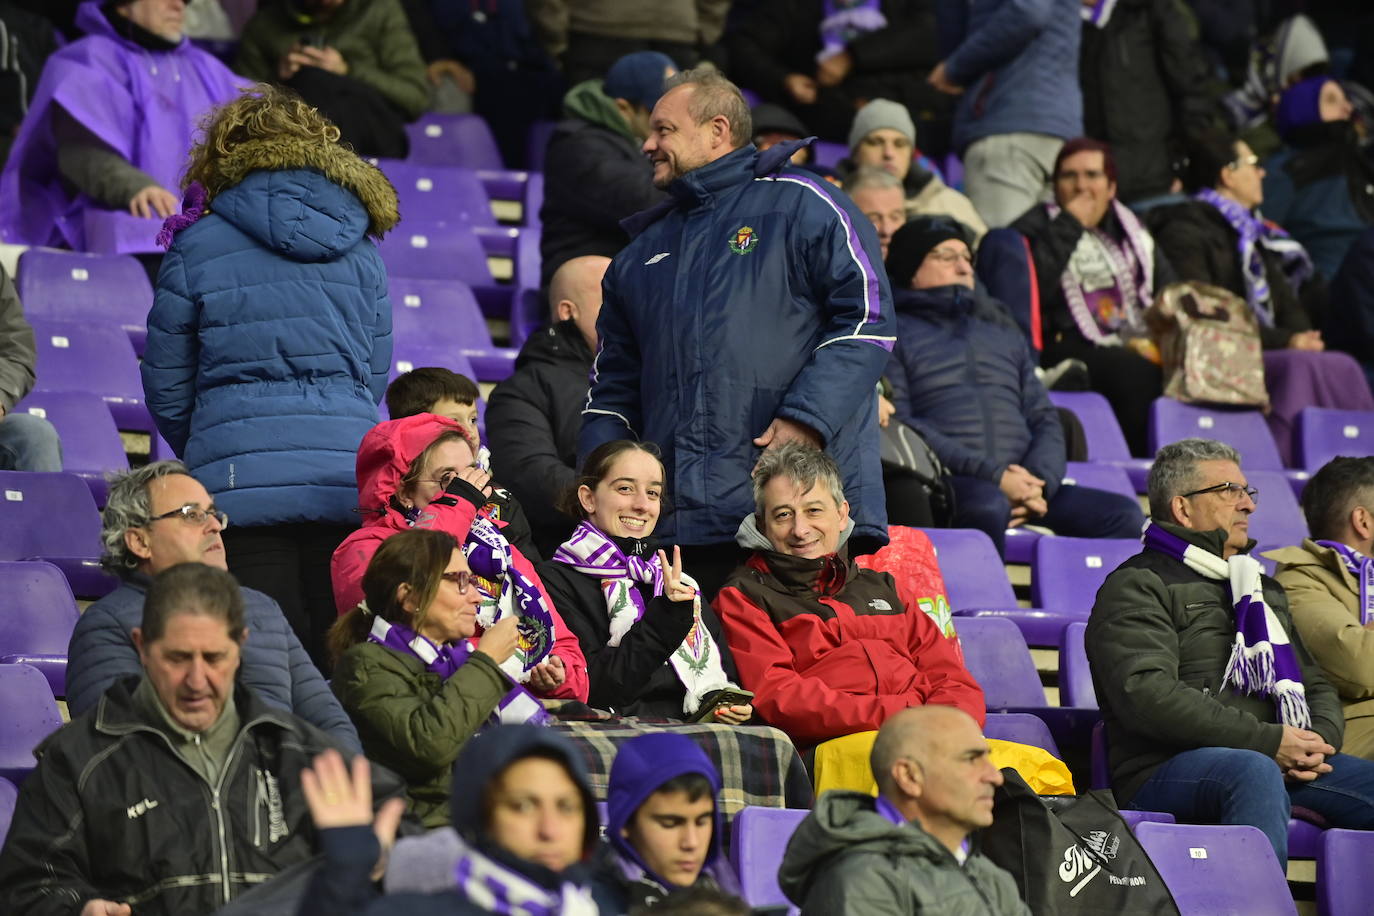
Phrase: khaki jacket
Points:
(1324, 599)
(939, 199)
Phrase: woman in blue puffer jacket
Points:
(269, 340)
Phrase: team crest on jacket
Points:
(744, 240)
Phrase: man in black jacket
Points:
(534, 416)
(181, 789)
(594, 173)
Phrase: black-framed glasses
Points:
(1229, 492)
(462, 578)
(444, 479)
(1243, 161)
(945, 256)
(194, 515)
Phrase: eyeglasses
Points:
(1086, 175)
(1229, 492)
(949, 257)
(1243, 161)
(462, 578)
(194, 515)
(444, 479)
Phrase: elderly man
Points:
(181, 789)
(534, 416)
(878, 195)
(906, 851)
(158, 516)
(1215, 712)
(110, 125)
(750, 311)
(828, 648)
(1329, 579)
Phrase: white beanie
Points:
(878, 114)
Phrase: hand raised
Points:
(673, 586)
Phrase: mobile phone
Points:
(314, 40)
(727, 696)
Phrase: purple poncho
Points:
(145, 105)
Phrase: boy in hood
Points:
(663, 824)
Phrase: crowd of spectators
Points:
(671, 518)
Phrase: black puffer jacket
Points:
(533, 419)
(113, 812)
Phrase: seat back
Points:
(1110, 477)
(9, 793)
(407, 356)
(1324, 433)
(1067, 572)
(1217, 870)
(1243, 429)
(1277, 520)
(30, 501)
(92, 356)
(995, 653)
(75, 286)
(1344, 882)
(759, 839)
(453, 139)
(974, 574)
(438, 193)
(37, 616)
(827, 153)
(436, 313)
(1075, 677)
(436, 251)
(91, 447)
(28, 714)
(1021, 727)
(1106, 442)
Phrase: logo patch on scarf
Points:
(744, 240)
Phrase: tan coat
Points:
(939, 199)
(1324, 599)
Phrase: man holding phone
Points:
(829, 648)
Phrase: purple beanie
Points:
(1300, 105)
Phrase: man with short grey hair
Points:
(749, 311)
(878, 195)
(827, 647)
(1215, 711)
(156, 517)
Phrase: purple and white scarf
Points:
(1256, 234)
(517, 706)
(697, 661)
(1362, 568)
(1108, 285)
(506, 590)
(497, 889)
(844, 20)
(1099, 13)
(1262, 660)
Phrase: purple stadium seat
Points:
(528, 312)
(997, 657)
(1345, 884)
(1140, 817)
(408, 356)
(1242, 429)
(534, 200)
(1106, 443)
(1067, 572)
(9, 793)
(29, 503)
(1277, 520)
(827, 153)
(759, 838)
(90, 356)
(438, 194)
(72, 286)
(1324, 433)
(1021, 727)
(438, 314)
(1021, 542)
(1075, 677)
(91, 447)
(28, 714)
(521, 245)
(453, 139)
(436, 251)
(37, 615)
(977, 585)
(1218, 870)
(537, 144)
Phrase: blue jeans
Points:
(28, 443)
(1076, 512)
(1224, 785)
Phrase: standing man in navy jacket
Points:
(751, 309)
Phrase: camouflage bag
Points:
(1209, 346)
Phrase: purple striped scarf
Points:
(1132, 266)
(1254, 234)
(1262, 660)
(506, 590)
(495, 888)
(845, 20)
(1362, 568)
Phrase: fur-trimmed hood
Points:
(320, 199)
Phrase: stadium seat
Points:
(1243, 429)
(91, 356)
(91, 447)
(1106, 443)
(439, 314)
(1075, 677)
(529, 311)
(1277, 520)
(827, 153)
(1217, 870)
(1021, 727)
(9, 793)
(997, 657)
(436, 251)
(408, 356)
(1345, 884)
(37, 615)
(1324, 433)
(1067, 572)
(28, 714)
(1110, 477)
(534, 200)
(758, 840)
(977, 586)
(51, 516)
(453, 139)
(438, 194)
(73, 286)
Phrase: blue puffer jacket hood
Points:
(300, 214)
(644, 763)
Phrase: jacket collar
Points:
(117, 713)
(825, 576)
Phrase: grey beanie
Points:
(878, 114)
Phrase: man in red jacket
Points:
(828, 648)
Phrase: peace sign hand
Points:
(673, 586)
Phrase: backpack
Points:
(905, 453)
(1209, 343)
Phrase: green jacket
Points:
(846, 859)
(373, 36)
(414, 723)
(1158, 641)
